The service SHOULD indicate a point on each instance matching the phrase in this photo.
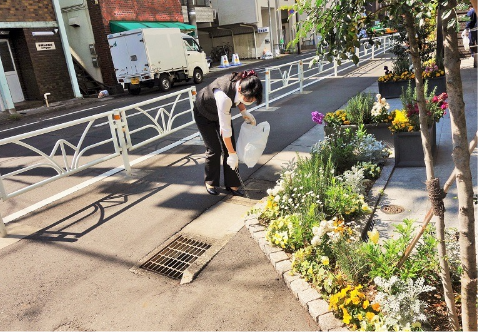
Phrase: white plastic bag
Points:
(466, 40)
(252, 142)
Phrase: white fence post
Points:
(357, 53)
(268, 86)
(3, 197)
(300, 71)
(120, 128)
(3, 229)
(192, 99)
(373, 51)
(335, 67)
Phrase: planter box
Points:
(439, 83)
(409, 150)
(379, 130)
(393, 89)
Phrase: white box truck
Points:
(156, 56)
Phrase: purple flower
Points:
(317, 117)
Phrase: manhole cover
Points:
(392, 209)
(172, 260)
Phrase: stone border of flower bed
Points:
(309, 297)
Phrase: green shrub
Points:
(383, 259)
(359, 109)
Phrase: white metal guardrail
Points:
(67, 157)
(288, 76)
(123, 138)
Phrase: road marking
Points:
(55, 117)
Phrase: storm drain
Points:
(172, 260)
(392, 209)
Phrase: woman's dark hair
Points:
(251, 85)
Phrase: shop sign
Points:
(45, 46)
(263, 30)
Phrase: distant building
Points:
(32, 54)
(89, 22)
(245, 26)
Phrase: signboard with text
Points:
(263, 30)
(45, 46)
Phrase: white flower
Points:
(315, 241)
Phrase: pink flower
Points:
(444, 106)
(435, 99)
(317, 117)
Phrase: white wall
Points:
(233, 11)
(80, 37)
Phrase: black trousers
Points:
(214, 151)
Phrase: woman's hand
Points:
(233, 160)
(248, 117)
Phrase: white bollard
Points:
(224, 62)
(235, 60)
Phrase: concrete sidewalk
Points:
(74, 273)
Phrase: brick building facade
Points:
(104, 11)
(29, 35)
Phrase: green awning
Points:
(120, 26)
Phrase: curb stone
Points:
(308, 296)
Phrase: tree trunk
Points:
(434, 193)
(461, 158)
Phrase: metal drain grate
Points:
(392, 209)
(172, 260)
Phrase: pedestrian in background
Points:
(471, 27)
(212, 113)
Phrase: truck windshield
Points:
(191, 44)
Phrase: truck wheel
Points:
(134, 90)
(164, 83)
(197, 76)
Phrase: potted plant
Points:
(394, 82)
(362, 110)
(406, 126)
(434, 75)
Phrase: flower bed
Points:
(316, 212)
(361, 110)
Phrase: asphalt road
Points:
(73, 273)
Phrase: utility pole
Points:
(270, 28)
(192, 16)
(297, 31)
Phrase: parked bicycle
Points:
(218, 51)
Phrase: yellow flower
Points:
(365, 304)
(360, 317)
(373, 236)
(355, 300)
(369, 316)
(376, 306)
(347, 317)
(417, 325)
(325, 260)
